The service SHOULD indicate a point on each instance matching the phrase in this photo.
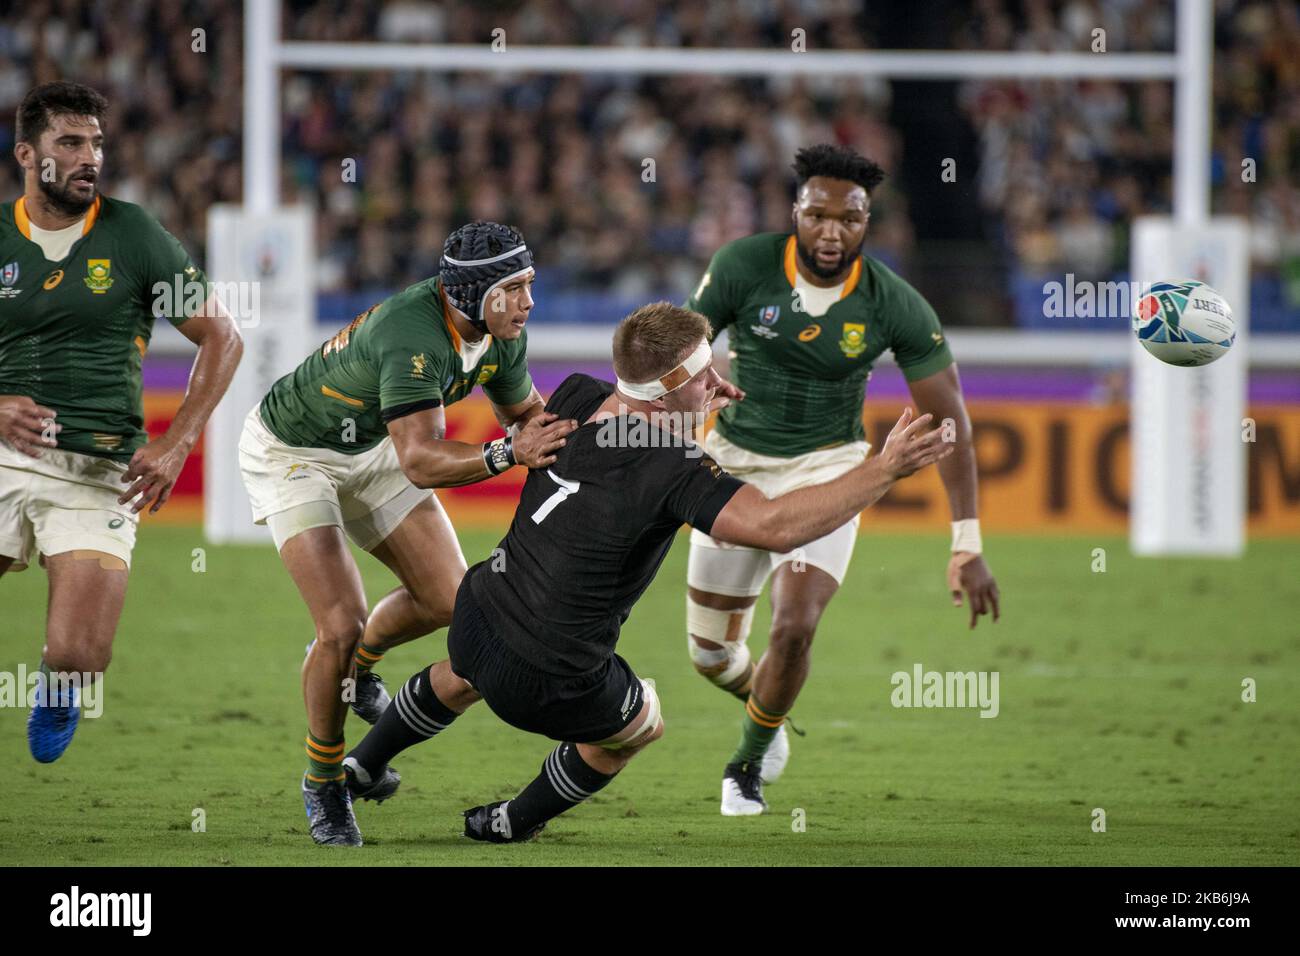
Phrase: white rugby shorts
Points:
(739, 571)
(62, 501)
(294, 489)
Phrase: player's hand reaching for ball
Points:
(909, 447)
(152, 472)
(27, 426)
(541, 437)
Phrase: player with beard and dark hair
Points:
(79, 280)
(807, 316)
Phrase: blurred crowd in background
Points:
(1049, 174)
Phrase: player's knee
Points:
(656, 733)
(341, 629)
(716, 642)
(436, 604)
(791, 639)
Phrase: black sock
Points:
(566, 780)
(416, 714)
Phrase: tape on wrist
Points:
(677, 377)
(499, 454)
(966, 536)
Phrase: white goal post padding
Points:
(275, 251)
(1187, 449)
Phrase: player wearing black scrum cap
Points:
(534, 634)
(350, 443)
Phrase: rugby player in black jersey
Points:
(534, 629)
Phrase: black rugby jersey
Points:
(590, 532)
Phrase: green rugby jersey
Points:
(805, 376)
(73, 333)
(398, 357)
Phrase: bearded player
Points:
(78, 272)
(348, 446)
(807, 316)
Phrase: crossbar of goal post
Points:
(266, 53)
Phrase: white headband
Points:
(677, 377)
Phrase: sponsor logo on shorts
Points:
(289, 475)
(116, 523)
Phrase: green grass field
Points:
(1119, 690)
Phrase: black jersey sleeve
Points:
(699, 489)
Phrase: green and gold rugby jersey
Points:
(805, 377)
(400, 356)
(73, 333)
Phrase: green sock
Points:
(324, 760)
(366, 657)
(756, 732)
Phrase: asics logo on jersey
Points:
(810, 333)
(53, 279)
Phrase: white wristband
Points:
(966, 536)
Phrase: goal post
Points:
(267, 53)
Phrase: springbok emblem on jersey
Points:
(853, 340)
(417, 365)
(98, 279)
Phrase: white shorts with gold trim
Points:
(62, 501)
(738, 571)
(294, 489)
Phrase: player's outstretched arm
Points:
(154, 468)
(940, 394)
(430, 460)
(806, 514)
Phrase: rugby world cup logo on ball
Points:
(1184, 323)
